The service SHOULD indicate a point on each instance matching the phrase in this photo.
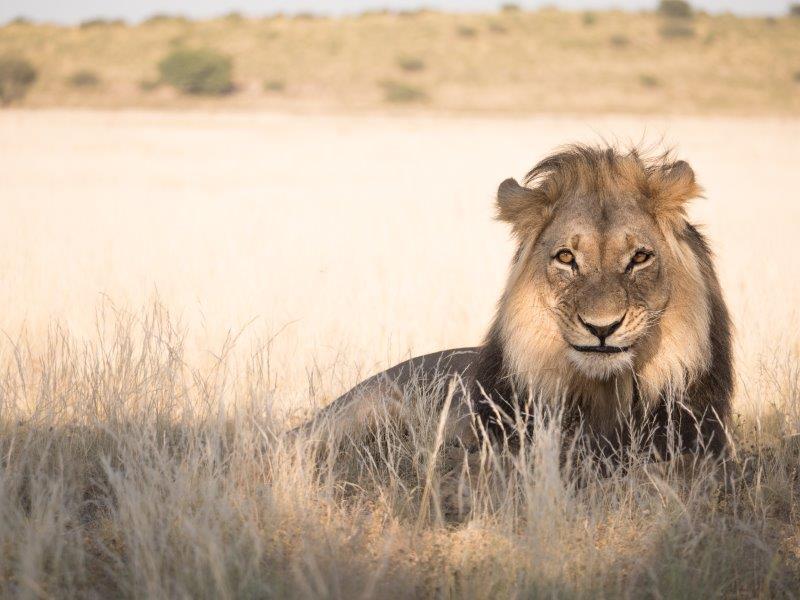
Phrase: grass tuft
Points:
(399, 92)
(83, 78)
(649, 81)
(466, 31)
(411, 64)
(619, 40)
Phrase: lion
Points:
(612, 310)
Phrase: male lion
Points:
(612, 309)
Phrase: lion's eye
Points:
(565, 257)
(640, 258)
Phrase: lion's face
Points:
(604, 281)
(602, 267)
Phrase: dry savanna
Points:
(508, 61)
(180, 287)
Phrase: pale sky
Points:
(74, 11)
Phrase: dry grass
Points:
(139, 450)
(511, 61)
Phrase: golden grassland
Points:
(140, 453)
(548, 60)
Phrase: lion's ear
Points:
(670, 187)
(522, 207)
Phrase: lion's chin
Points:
(601, 365)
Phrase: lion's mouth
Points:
(602, 349)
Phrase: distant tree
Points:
(794, 9)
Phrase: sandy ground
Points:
(354, 240)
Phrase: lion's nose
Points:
(602, 331)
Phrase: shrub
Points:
(411, 64)
(465, 31)
(796, 77)
(202, 72)
(509, 7)
(794, 9)
(620, 41)
(649, 81)
(83, 78)
(589, 18)
(16, 77)
(91, 23)
(274, 85)
(675, 30)
(165, 18)
(497, 27)
(675, 8)
(398, 92)
(20, 21)
(411, 13)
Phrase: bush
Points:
(675, 30)
(466, 31)
(398, 92)
(649, 81)
(200, 72)
(675, 9)
(796, 77)
(16, 77)
(91, 23)
(509, 7)
(83, 78)
(794, 10)
(620, 41)
(589, 18)
(411, 64)
(274, 85)
(165, 18)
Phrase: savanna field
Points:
(178, 287)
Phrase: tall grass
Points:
(128, 472)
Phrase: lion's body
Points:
(605, 253)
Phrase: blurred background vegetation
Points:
(671, 60)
